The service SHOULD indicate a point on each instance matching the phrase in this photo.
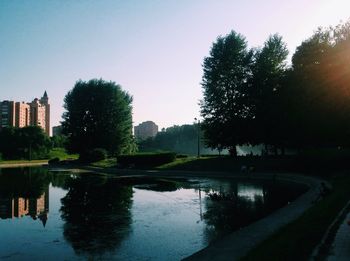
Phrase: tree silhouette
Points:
(226, 81)
(97, 214)
(98, 115)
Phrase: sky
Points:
(153, 48)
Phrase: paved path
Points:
(340, 250)
(24, 164)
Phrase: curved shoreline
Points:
(237, 244)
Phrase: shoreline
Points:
(237, 244)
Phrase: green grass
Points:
(224, 163)
(106, 163)
(297, 240)
(54, 153)
(177, 163)
(61, 154)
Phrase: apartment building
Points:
(22, 114)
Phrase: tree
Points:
(321, 88)
(225, 83)
(59, 141)
(24, 143)
(98, 115)
(269, 70)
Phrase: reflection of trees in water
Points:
(24, 192)
(24, 182)
(235, 207)
(97, 214)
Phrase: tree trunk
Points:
(233, 151)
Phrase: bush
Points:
(54, 161)
(181, 156)
(0, 157)
(93, 155)
(146, 160)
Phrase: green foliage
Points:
(61, 153)
(24, 143)
(98, 115)
(225, 83)
(269, 70)
(180, 139)
(145, 160)
(93, 155)
(54, 161)
(59, 141)
(251, 97)
(106, 163)
(319, 89)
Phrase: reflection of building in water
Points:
(18, 207)
(250, 192)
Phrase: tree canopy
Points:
(253, 97)
(24, 143)
(98, 115)
(226, 82)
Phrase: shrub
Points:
(93, 155)
(146, 160)
(54, 161)
(181, 156)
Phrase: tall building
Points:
(145, 130)
(22, 114)
(7, 114)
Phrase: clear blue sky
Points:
(153, 48)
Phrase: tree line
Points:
(180, 139)
(24, 143)
(252, 96)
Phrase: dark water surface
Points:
(60, 215)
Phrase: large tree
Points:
(226, 81)
(98, 115)
(321, 88)
(268, 74)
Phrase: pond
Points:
(62, 215)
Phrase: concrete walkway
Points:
(24, 164)
(340, 250)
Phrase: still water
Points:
(60, 215)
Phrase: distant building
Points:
(22, 114)
(7, 114)
(57, 130)
(145, 130)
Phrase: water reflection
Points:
(250, 192)
(144, 218)
(96, 212)
(26, 194)
(238, 204)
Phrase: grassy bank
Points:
(61, 154)
(297, 240)
(54, 153)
